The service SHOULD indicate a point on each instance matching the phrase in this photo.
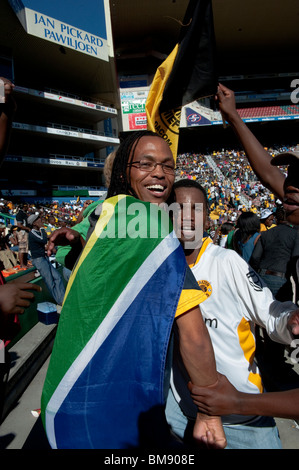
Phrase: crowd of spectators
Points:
(232, 187)
(53, 216)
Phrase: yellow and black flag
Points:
(188, 73)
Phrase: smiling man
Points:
(236, 300)
(151, 170)
(108, 378)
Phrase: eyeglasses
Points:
(148, 166)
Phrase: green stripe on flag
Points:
(125, 235)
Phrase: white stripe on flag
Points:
(138, 281)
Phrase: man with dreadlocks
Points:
(108, 378)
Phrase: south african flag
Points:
(106, 376)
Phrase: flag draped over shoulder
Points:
(188, 73)
(105, 378)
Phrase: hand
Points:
(227, 102)
(86, 203)
(16, 296)
(63, 236)
(293, 322)
(220, 399)
(208, 432)
(8, 90)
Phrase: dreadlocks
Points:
(120, 183)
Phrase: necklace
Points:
(37, 233)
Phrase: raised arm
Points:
(270, 176)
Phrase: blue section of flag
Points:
(118, 401)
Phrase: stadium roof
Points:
(252, 36)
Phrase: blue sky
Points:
(88, 15)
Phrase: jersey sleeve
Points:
(191, 296)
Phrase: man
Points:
(237, 300)
(107, 381)
(22, 235)
(225, 398)
(273, 258)
(37, 245)
(267, 218)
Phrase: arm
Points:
(14, 298)
(256, 301)
(64, 237)
(224, 399)
(198, 357)
(7, 111)
(271, 177)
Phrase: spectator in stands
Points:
(225, 229)
(267, 218)
(246, 234)
(50, 225)
(273, 256)
(7, 258)
(37, 244)
(22, 234)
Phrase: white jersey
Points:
(238, 299)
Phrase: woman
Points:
(246, 235)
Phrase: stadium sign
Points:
(61, 23)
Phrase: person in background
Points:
(246, 234)
(225, 229)
(37, 245)
(22, 235)
(267, 218)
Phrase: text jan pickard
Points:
(66, 35)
